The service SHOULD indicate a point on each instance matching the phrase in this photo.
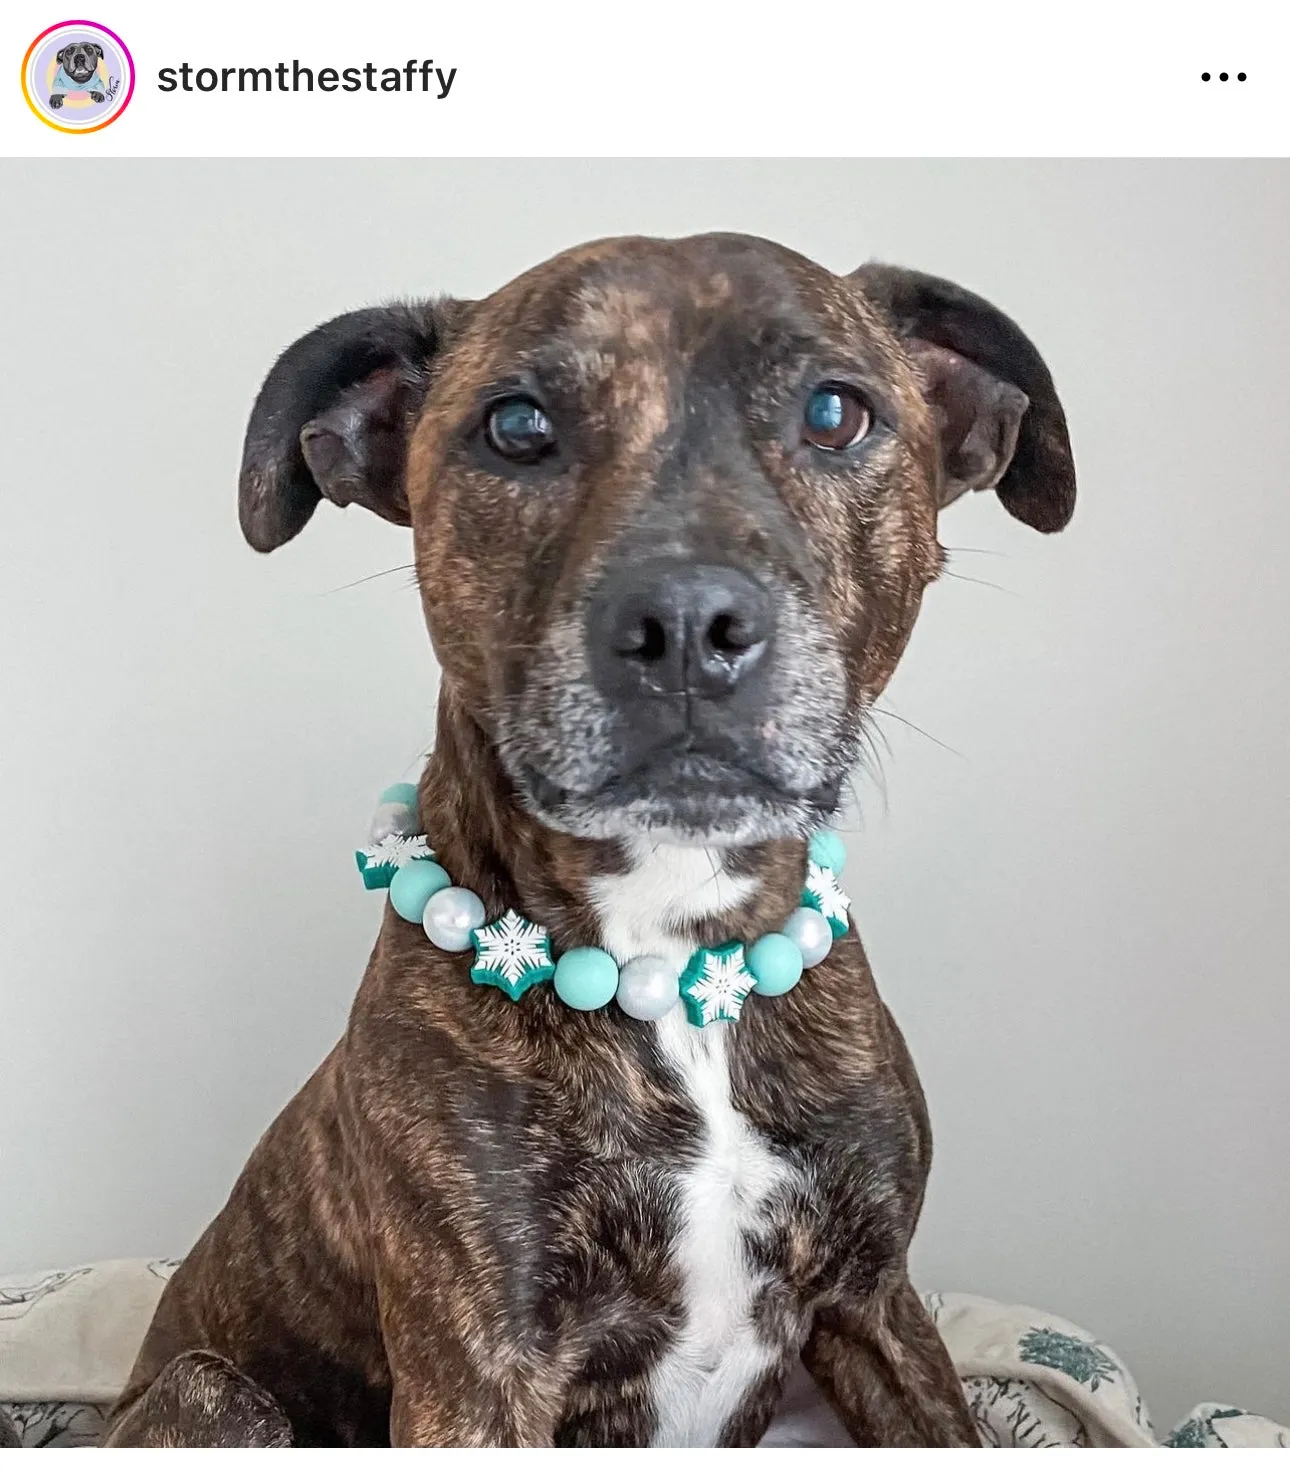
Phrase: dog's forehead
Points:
(634, 293)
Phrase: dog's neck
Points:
(631, 897)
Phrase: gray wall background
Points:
(1073, 892)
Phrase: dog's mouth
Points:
(693, 767)
(684, 792)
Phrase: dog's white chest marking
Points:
(718, 1355)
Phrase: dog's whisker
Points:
(874, 733)
(922, 731)
(420, 757)
(858, 799)
(400, 568)
(871, 774)
(985, 583)
(870, 761)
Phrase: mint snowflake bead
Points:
(775, 961)
(379, 862)
(715, 984)
(414, 884)
(823, 892)
(586, 978)
(826, 849)
(512, 954)
(404, 794)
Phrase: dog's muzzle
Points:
(708, 703)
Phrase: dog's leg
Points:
(427, 1415)
(445, 1397)
(201, 1401)
(882, 1365)
(460, 1376)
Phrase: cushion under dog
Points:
(69, 1337)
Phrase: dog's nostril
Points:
(645, 640)
(667, 627)
(729, 635)
(654, 645)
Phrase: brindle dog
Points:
(674, 507)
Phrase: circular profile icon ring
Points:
(78, 76)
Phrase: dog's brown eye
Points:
(835, 418)
(519, 429)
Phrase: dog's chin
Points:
(685, 799)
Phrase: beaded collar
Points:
(514, 954)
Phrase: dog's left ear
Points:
(99, 49)
(333, 417)
(1002, 425)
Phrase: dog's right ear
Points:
(1002, 424)
(333, 418)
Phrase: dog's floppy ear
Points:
(59, 55)
(99, 49)
(1002, 424)
(333, 417)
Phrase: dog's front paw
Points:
(56, 101)
(97, 96)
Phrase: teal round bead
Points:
(413, 884)
(400, 794)
(775, 961)
(586, 978)
(827, 850)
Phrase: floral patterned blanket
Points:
(69, 1337)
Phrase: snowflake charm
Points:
(512, 954)
(378, 863)
(824, 892)
(715, 984)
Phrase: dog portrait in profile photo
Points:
(674, 508)
(78, 68)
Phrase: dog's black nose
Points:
(671, 628)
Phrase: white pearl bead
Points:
(811, 932)
(648, 988)
(450, 916)
(392, 819)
